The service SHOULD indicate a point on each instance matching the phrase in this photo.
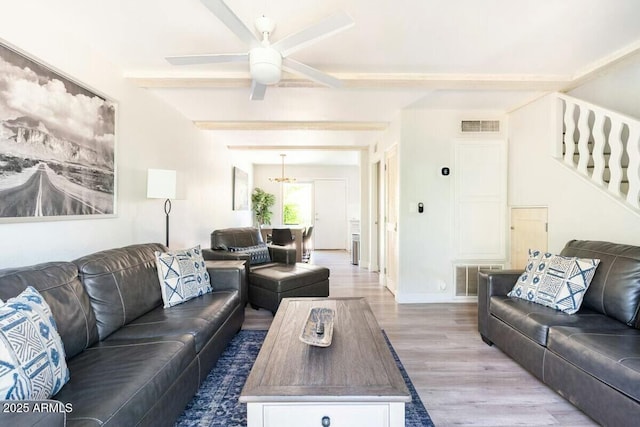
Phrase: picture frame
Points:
(240, 190)
(57, 144)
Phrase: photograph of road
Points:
(57, 143)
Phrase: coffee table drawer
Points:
(339, 415)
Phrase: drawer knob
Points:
(326, 421)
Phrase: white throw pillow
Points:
(183, 275)
(555, 281)
(32, 358)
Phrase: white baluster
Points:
(633, 170)
(615, 160)
(583, 141)
(598, 148)
(570, 126)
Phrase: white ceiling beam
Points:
(605, 65)
(298, 147)
(369, 81)
(290, 125)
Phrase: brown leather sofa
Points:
(591, 358)
(269, 282)
(131, 361)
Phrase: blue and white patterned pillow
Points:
(183, 275)
(32, 358)
(555, 281)
(259, 254)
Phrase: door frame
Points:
(391, 282)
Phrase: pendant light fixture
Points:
(282, 179)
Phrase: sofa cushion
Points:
(182, 274)
(611, 354)
(555, 281)
(32, 358)
(534, 320)
(615, 288)
(122, 284)
(116, 382)
(59, 285)
(200, 317)
(258, 254)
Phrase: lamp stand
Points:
(167, 209)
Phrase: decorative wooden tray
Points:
(318, 329)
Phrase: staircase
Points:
(602, 146)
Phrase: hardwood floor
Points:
(461, 380)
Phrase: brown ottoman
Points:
(269, 284)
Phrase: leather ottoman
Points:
(269, 284)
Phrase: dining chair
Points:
(282, 236)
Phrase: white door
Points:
(391, 219)
(480, 199)
(330, 223)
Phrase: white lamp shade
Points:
(161, 184)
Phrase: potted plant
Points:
(261, 203)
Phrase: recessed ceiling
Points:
(479, 54)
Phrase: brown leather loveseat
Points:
(592, 357)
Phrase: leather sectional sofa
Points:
(131, 361)
(269, 281)
(592, 357)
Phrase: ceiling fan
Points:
(266, 60)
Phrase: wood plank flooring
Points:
(461, 380)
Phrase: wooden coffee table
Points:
(353, 382)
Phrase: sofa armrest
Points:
(282, 254)
(490, 283)
(229, 275)
(33, 413)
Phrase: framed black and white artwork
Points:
(57, 144)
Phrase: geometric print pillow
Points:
(555, 281)
(258, 254)
(32, 358)
(183, 275)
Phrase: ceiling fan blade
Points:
(257, 91)
(214, 58)
(317, 76)
(320, 30)
(231, 20)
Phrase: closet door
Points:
(480, 199)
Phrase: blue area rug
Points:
(216, 403)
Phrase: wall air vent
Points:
(466, 277)
(477, 126)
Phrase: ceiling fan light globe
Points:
(265, 64)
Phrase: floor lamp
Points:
(161, 184)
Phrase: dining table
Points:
(296, 230)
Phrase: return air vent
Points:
(480, 126)
(466, 277)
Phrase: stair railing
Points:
(601, 145)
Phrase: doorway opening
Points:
(297, 201)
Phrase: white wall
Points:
(426, 239)
(150, 134)
(577, 210)
(619, 90)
